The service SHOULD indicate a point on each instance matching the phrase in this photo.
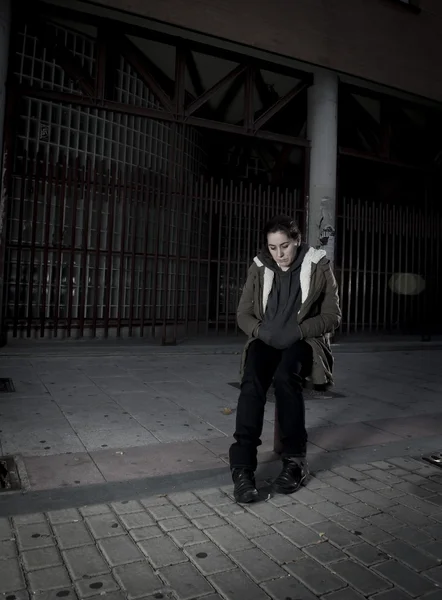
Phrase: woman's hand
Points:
(284, 339)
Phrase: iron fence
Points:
(99, 251)
(388, 267)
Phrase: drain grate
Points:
(435, 458)
(309, 394)
(6, 385)
(9, 478)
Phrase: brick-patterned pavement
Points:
(361, 531)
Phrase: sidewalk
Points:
(97, 417)
(364, 531)
(123, 454)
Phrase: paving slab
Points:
(111, 411)
(199, 543)
(59, 471)
(369, 522)
(153, 460)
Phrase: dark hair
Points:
(284, 224)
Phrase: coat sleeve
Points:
(245, 315)
(329, 317)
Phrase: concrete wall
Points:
(379, 40)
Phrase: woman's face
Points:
(282, 248)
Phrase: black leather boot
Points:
(245, 488)
(293, 475)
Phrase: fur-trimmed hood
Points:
(312, 257)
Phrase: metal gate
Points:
(97, 251)
(388, 267)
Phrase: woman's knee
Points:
(288, 374)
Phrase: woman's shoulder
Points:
(317, 256)
(255, 266)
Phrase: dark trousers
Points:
(286, 368)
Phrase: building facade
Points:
(145, 144)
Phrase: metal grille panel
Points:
(126, 140)
(377, 242)
(97, 250)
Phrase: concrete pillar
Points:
(322, 131)
(5, 30)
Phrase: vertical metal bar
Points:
(387, 236)
(198, 198)
(420, 270)
(134, 204)
(145, 199)
(438, 241)
(12, 107)
(161, 223)
(274, 207)
(365, 224)
(358, 250)
(175, 173)
(393, 265)
(77, 183)
(249, 226)
(306, 196)
(259, 209)
(97, 190)
(229, 207)
(415, 262)
(268, 195)
(280, 199)
(337, 209)
(47, 198)
(221, 204)
(192, 195)
(409, 220)
(124, 182)
(37, 173)
(432, 240)
(212, 201)
(111, 195)
(429, 262)
(414, 259)
(401, 226)
(84, 256)
(180, 203)
(265, 205)
(290, 199)
(239, 206)
(60, 182)
(344, 253)
(381, 237)
(171, 191)
(257, 233)
(350, 265)
(425, 235)
(372, 267)
(26, 176)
